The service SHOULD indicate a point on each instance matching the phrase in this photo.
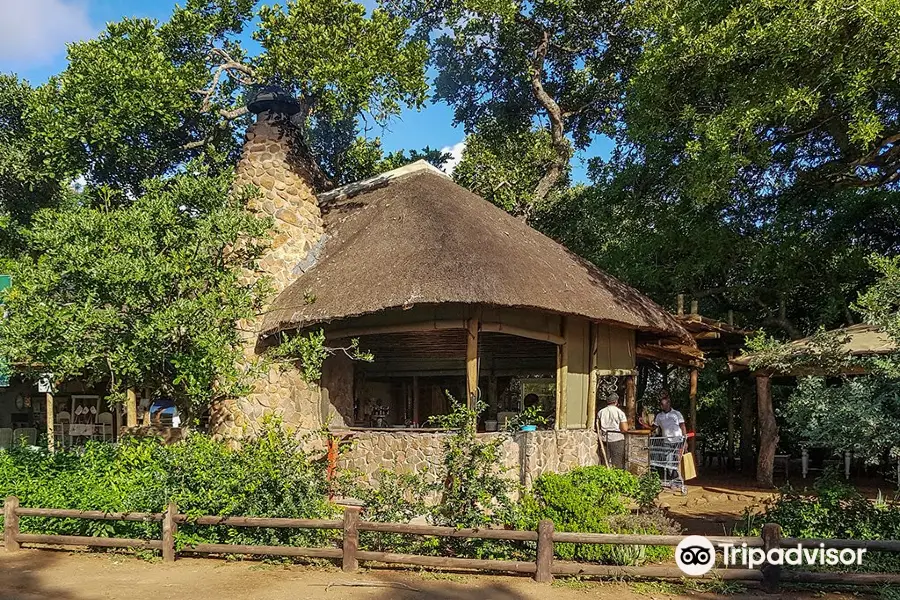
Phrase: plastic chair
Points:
(105, 421)
(6, 436)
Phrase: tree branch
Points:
(555, 115)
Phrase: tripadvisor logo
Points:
(695, 555)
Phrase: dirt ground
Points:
(44, 574)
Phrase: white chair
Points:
(61, 428)
(6, 436)
(105, 423)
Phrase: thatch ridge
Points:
(421, 239)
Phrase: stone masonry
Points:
(274, 161)
(526, 454)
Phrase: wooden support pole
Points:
(493, 396)
(592, 378)
(692, 410)
(417, 417)
(562, 376)
(695, 307)
(771, 536)
(748, 420)
(679, 301)
(51, 414)
(543, 573)
(472, 362)
(11, 524)
(169, 529)
(631, 400)
(350, 543)
(768, 432)
(130, 408)
(729, 415)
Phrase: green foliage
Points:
(340, 61)
(880, 303)
(310, 350)
(859, 414)
(649, 489)
(770, 94)
(823, 352)
(473, 492)
(269, 475)
(595, 500)
(833, 509)
(530, 416)
(505, 167)
(143, 295)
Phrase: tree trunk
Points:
(748, 414)
(768, 432)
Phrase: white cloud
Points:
(34, 32)
(455, 151)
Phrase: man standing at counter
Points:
(612, 422)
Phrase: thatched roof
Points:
(414, 237)
(856, 340)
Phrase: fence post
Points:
(169, 529)
(11, 524)
(350, 542)
(771, 537)
(542, 573)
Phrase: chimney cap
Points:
(271, 98)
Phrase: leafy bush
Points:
(832, 509)
(268, 476)
(596, 500)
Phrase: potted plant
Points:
(527, 420)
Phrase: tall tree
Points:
(560, 63)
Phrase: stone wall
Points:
(526, 454)
(274, 161)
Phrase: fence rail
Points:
(542, 568)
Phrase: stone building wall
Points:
(274, 161)
(526, 454)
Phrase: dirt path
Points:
(42, 574)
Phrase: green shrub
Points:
(832, 509)
(269, 475)
(595, 500)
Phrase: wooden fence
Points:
(542, 568)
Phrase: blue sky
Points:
(34, 34)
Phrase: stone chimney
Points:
(276, 160)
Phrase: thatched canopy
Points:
(856, 340)
(413, 237)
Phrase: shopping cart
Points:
(665, 455)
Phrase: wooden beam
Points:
(631, 400)
(472, 361)
(544, 336)
(351, 332)
(768, 433)
(131, 408)
(679, 302)
(592, 379)
(692, 412)
(562, 376)
(51, 413)
(729, 415)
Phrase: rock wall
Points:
(274, 161)
(526, 455)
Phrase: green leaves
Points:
(338, 60)
(145, 294)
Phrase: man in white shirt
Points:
(670, 421)
(612, 422)
(670, 424)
